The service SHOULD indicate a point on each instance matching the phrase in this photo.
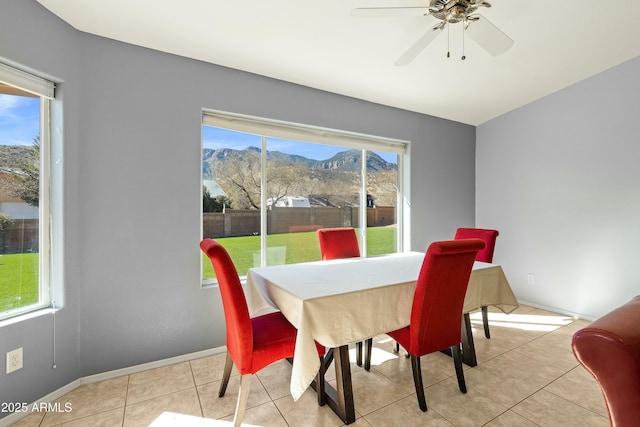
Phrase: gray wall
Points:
(29, 36)
(560, 179)
(131, 135)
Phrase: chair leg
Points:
(228, 365)
(485, 321)
(322, 397)
(367, 353)
(457, 362)
(243, 396)
(396, 347)
(359, 353)
(417, 380)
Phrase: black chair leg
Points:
(457, 361)
(368, 348)
(228, 365)
(396, 347)
(485, 321)
(406, 355)
(359, 353)
(417, 380)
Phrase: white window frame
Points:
(45, 89)
(319, 135)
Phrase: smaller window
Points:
(24, 199)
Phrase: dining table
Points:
(345, 301)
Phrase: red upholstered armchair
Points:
(486, 255)
(252, 343)
(342, 242)
(436, 313)
(609, 349)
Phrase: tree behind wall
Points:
(24, 180)
(213, 204)
(5, 225)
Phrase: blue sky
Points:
(215, 138)
(19, 119)
(20, 124)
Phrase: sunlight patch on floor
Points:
(527, 322)
(378, 355)
(171, 419)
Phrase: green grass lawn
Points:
(19, 272)
(299, 247)
(18, 280)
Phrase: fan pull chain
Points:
(448, 48)
(463, 55)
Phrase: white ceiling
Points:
(317, 43)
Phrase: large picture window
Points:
(268, 186)
(24, 196)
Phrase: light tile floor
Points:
(526, 376)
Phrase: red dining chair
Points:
(486, 255)
(252, 343)
(342, 242)
(436, 313)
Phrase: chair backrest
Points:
(436, 313)
(609, 348)
(236, 312)
(338, 243)
(488, 237)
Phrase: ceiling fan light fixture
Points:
(486, 34)
(456, 14)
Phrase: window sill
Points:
(27, 316)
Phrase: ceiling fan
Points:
(479, 28)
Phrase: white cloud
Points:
(8, 105)
(19, 119)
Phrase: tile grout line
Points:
(126, 399)
(565, 399)
(272, 400)
(195, 386)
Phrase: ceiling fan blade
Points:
(386, 12)
(419, 46)
(488, 36)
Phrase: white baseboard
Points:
(151, 365)
(16, 416)
(557, 310)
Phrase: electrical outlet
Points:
(14, 360)
(531, 279)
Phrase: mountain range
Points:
(13, 155)
(344, 161)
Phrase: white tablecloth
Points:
(348, 300)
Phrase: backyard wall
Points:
(287, 220)
(22, 236)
